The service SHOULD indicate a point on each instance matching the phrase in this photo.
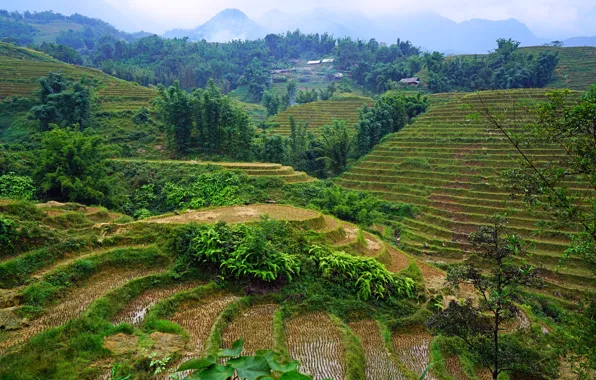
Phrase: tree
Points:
(271, 103)
(257, 78)
(73, 167)
(64, 103)
(176, 113)
(543, 184)
(334, 146)
(326, 94)
(292, 87)
(495, 274)
(306, 96)
(390, 113)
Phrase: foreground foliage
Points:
(264, 365)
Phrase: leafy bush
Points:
(354, 206)
(209, 189)
(240, 251)
(16, 187)
(273, 250)
(8, 232)
(365, 276)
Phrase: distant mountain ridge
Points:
(428, 30)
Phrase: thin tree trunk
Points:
(496, 345)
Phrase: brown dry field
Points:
(254, 326)
(135, 311)
(412, 347)
(379, 361)
(238, 214)
(74, 304)
(315, 341)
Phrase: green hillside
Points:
(576, 69)
(450, 166)
(320, 113)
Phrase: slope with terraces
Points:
(321, 113)
(127, 278)
(253, 169)
(450, 165)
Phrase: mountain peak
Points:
(231, 13)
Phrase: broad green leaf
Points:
(291, 366)
(426, 370)
(216, 372)
(267, 354)
(194, 364)
(294, 375)
(236, 349)
(250, 367)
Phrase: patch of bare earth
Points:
(238, 214)
(399, 260)
(254, 326)
(379, 361)
(315, 341)
(73, 304)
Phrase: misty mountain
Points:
(434, 32)
(427, 30)
(227, 25)
(580, 41)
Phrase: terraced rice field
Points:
(450, 166)
(134, 312)
(412, 347)
(316, 343)
(320, 113)
(254, 326)
(241, 214)
(254, 169)
(315, 339)
(380, 363)
(20, 70)
(576, 69)
(74, 303)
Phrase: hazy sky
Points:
(546, 18)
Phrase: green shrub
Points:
(365, 276)
(16, 187)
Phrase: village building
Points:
(410, 81)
